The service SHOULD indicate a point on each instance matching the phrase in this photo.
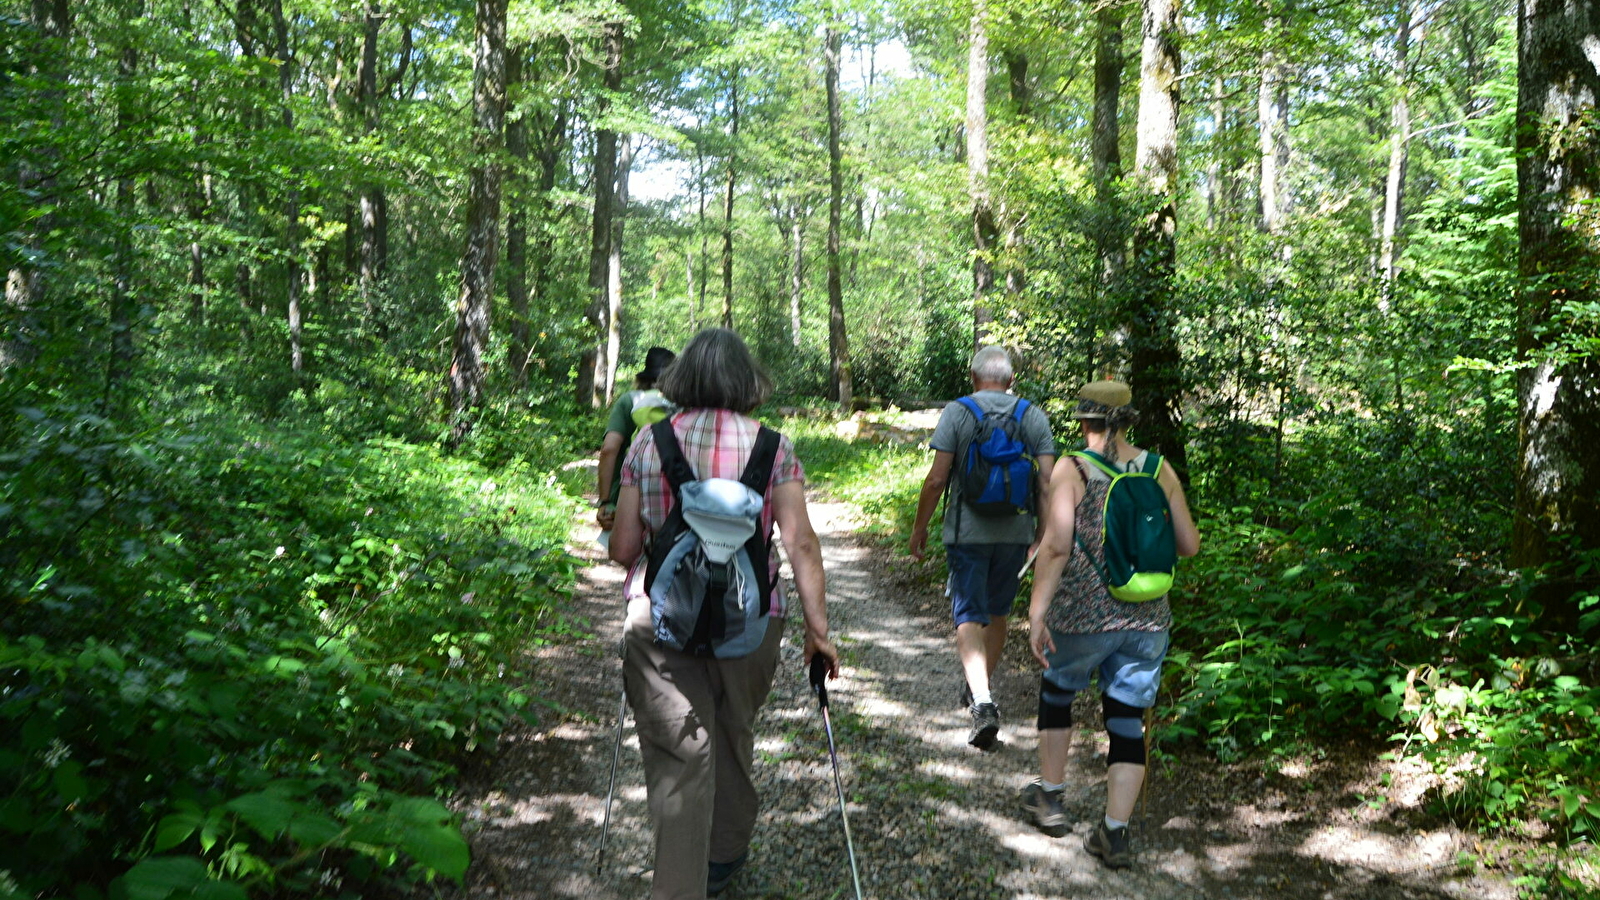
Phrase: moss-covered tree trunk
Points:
(1558, 395)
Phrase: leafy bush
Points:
(242, 658)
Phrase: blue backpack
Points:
(997, 471)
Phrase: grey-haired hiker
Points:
(1076, 627)
(986, 544)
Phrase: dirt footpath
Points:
(931, 816)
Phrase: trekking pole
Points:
(819, 671)
(616, 752)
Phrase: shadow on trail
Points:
(932, 817)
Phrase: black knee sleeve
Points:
(1125, 725)
(1055, 706)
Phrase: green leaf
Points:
(220, 890)
(160, 877)
(176, 828)
(69, 781)
(440, 847)
(314, 830)
(267, 812)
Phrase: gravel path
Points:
(931, 816)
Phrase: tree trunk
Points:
(291, 203)
(797, 260)
(374, 205)
(1399, 146)
(619, 215)
(591, 372)
(1022, 107)
(839, 386)
(51, 20)
(124, 306)
(1558, 397)
(1269, 135)
(516, 218)
(1156, 375)
(1105, 147)
(984, 232)
(551, 154)
(727, 211)
(483, 218)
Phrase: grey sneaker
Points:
(985, 725)
(1111, 845)
(1044, 808)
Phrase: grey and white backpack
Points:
(708, 572)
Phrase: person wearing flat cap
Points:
(635, 409)
(1077, 628)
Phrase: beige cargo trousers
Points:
(695, 718)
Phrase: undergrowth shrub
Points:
(239, 658)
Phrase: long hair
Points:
(1113, 419)
(717, 371)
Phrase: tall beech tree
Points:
(985, 233)
(840, 388)
(594, 365)
(466, 379)
(1155, 370)
(1558, 391)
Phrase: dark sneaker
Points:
(1111, 845)
(718, 875)
(985, 725)
(1044, 808)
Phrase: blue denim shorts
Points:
(1129, 663)
(983, 579)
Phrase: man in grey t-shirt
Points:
(986, 551)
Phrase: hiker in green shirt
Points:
(633, 410)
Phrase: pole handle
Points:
(819, 674)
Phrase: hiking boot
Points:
(1044, 808)
(718, 875)
(1111, 845)
(985, 725)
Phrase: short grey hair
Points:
(992, 364)
(716, 371)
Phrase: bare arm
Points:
(627, 535)
(1047, 465)
(805, 557)
(608, 466)
(1055, 548)
(1188, 536)
(933, 485)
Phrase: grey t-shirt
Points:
(957, 427)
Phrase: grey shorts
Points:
(1128, 662)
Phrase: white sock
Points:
(1052, 788)
(982, 696)
(1113, 824)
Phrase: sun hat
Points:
(1096, 397)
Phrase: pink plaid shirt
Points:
(716, 443)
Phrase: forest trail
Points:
(931, 817)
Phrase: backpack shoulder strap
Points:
(758, 471)
(1152, 464)
(1098, 461)
(972, 407)
(673, 465)
(1019, 409)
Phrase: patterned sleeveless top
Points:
(1082, 604)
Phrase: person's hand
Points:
(824, 646)
(1039, 640)
(606, 516)
(919, 543)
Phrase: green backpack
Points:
(1141, 548)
